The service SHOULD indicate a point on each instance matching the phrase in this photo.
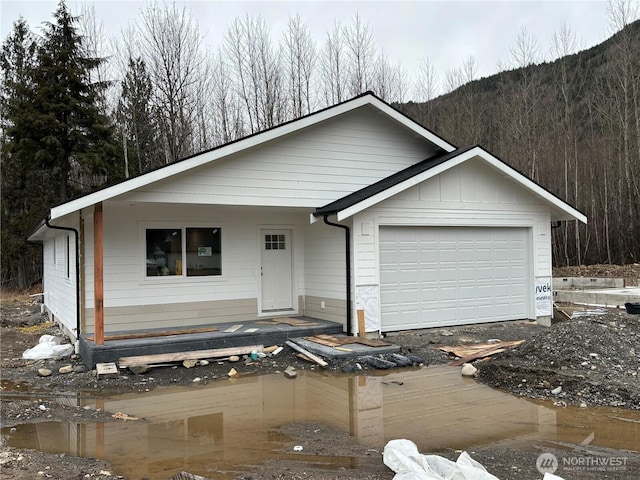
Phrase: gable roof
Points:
(373, 194)
(244, 143)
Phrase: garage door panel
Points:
(452, 275)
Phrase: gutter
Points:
(347, 233)
(77, 241)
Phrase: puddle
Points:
(223, 427)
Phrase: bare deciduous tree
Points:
(333, 64)
(299, 55)
(171, 44)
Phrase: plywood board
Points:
(193, 355)
(332, 341)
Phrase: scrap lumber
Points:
(332, 341)
(293, 322)
(193, 355)
(306, 353)
(233, 328)
(163, 333)
(480, 351)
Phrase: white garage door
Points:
(437, 276)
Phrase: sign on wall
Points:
(544, 297)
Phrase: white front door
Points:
(276, 272)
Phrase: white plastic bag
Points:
(402, 456)
(48, 347)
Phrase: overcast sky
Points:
(445, 31)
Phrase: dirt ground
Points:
(595, 360)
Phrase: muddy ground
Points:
(594, 360)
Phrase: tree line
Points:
(572, 125)
(74, 118)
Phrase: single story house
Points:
(353, 207)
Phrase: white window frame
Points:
(180, 279)
(67, 257)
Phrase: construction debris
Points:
(338, 341)
(307, 353)
(123, 416)
(468, 353)
(106, 370)
(181, 356)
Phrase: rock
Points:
(234, 358)
(446, 333)
(352, 367)
(290, 372)
(44, 372)
(233, 372)
(468, 370)
(203, 363)
(196, 380)
(546, 384)
(66, 369)
(556, 390)
(189, 363)
(79, 368)
(379, 363)
(583, 405)
(400, 360)
(139, 369)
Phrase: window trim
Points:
(67, 257)
(179, 279)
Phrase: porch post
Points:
(98, 285)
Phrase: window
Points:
(200, 253)
(67, 257)
(274, 242)
(203, 252)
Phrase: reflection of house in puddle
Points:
(229, 423)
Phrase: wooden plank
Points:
(98, 274)
(331, 341)
(294, 322)
(164, 333)
(487, 352)
(361, 328)
(307, 353)
(193, 355)
(234, 328)
(470, 349)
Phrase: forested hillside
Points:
(79, 111)
(573, 126)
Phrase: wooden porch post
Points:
(98, 285)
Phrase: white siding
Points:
(306, 169)
(125, 281)
(59, 285)
(325, 272)
(472, 194)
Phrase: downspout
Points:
(347, 233)
(76, 236)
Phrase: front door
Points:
(276, 272)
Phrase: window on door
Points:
(274, 242)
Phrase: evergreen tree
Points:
(55, 139)
(76, 139)
(135, 116)
(23, 192)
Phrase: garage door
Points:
(437, 276)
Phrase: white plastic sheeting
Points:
(367, 299)
(402, 456)
(48, 347)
